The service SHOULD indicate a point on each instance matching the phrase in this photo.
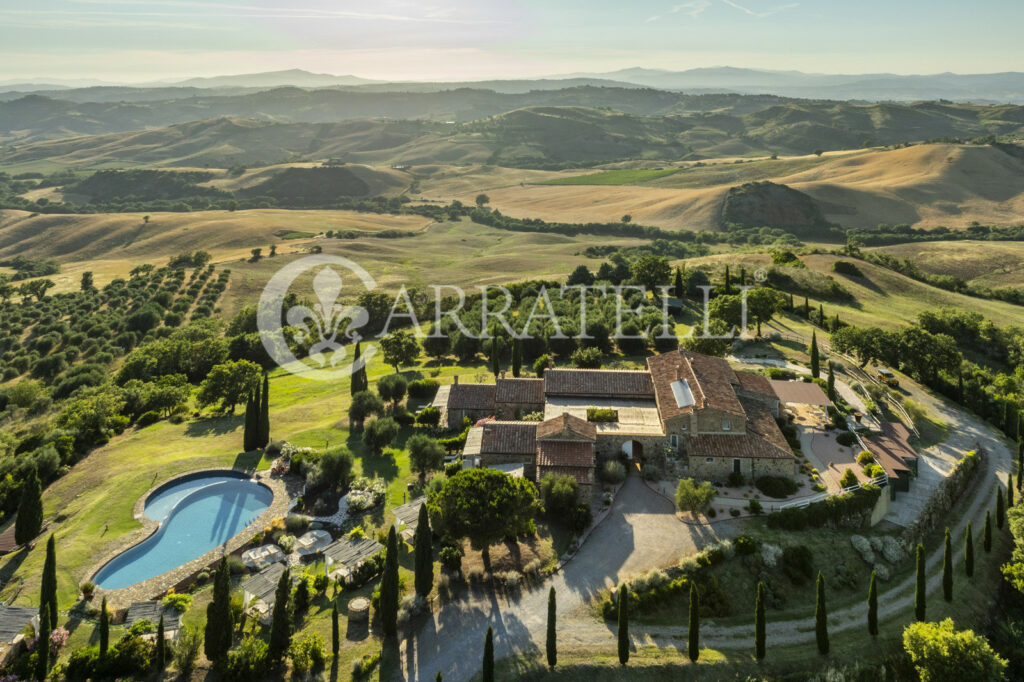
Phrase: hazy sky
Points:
(137, 40)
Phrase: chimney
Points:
(565, 420)
(551, 362)
(456, 382)
(679, 373)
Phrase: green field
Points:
(613, 177)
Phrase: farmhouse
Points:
(721, 420)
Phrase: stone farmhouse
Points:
(721, 420)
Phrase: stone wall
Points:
(711, 421)
(609, 446)
(515, 411)
(719, 468)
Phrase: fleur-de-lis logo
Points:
(326, 325)
(327, 316)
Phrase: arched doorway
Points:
(633, 450)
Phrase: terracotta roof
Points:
(566, 427)
(604, 383)
(509, 438)
(747, 446)
(520, 391)
(562, 453)
(760, 422)
(755, 383)
(710, 381)
(891, 448)
(471, 397)
(800, 393)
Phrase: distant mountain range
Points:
(1007, 87)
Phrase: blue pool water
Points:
(196, 515)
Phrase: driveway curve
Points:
(641, 532)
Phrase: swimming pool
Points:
(196, 514)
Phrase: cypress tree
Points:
(831, 383)
(821, 315)
(517, 356)
(623, 625)
(359, 381)
(1009, 491)
(335, 632)
(388, 608)
(43, 646)
(263, 433)
(815, 360)
(678, 285)
(873, 605)
(807, 308)
(488, 668)
(495, 356)
(30, 510)
(552, 640)
(1000, 507)
(694, 625)
(280, 619)
(251, 427)
(821, 618)
(727, 283)
(48, 588)
(161, 645)
(104, 628)
(987, 537)
(1020, 462)
(969, 551)
(792, 306)
(424, 555)
(947, 568)
(217, 638)
(439, 677)
(920, 590)
(759, 624)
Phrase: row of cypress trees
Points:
(256, 433)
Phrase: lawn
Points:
(624, 176)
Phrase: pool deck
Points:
(158, 585)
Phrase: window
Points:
(683, 427)
(708, 460)
(675, 441)
(726, 425)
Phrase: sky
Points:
(147, 40)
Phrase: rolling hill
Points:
(535, 136)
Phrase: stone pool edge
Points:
(158, 585)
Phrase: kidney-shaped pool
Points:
(196, 514)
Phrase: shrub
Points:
(845, 267)
(249, 661)
(755, 507)
(147, 418)
(694, 497)
(362, 667)
(798, 564)
(847, 438)
(177, 601)
(429, 416)
(865, 457)
(236, 566)
(88, 588)
(735, 479)
(308, 654)
(423, 388)
(587, 358)
(296, 524)
(559, 494)
(451, 557)
(452, 468)
(849, 479)
(602, 414)
(613, 472)
(581, 518)
(777, 486)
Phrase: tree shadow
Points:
(13, 564)
(213, 426)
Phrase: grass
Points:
(625, 176)
(984, 263)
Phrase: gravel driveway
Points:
(641, 532)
